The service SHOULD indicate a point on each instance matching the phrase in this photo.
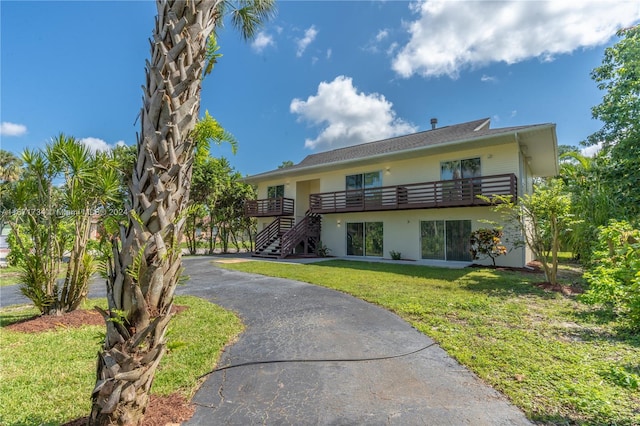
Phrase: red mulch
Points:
(162, 410)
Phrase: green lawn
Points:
(46, 378)
(560, 361)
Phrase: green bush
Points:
(488, 243)
(614, 275)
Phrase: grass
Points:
(46, 378)
(560, 361)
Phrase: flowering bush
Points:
(488, 243)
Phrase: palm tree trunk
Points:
(147, 257)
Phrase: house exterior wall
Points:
(402, 230)
(494, 160)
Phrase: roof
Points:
(464, 132)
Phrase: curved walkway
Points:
(292, 320)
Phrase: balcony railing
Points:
(269, 207)
(426, 195)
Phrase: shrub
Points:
(488, 243)
(395, 255)
(614, 275)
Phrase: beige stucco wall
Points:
(402, 230)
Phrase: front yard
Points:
(559, 360)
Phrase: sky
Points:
(318, 76)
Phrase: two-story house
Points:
(414, 194)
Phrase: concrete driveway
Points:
(289, 320)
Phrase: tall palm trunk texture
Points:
(146, 266)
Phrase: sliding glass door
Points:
(445, 239)
(365, 239)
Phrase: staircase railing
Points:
(272, 232)
(307, 228)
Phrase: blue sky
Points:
(320, 75)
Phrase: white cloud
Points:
(348, 117)
(262, 41)
(450, 36)
(514, 113)
(98, 145)
(309, 36)
(382, 34)
(488, 79)
(12, 129)
(329, 53)
(591, 150)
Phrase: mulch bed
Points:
(162, 410)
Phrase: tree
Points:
(37, 238)
(56, 200)
(591, 201)
(619, 76)
(614, 275)
(541, 218)
(91, 182)
(285, 164)
(147, 260)
(10, 169)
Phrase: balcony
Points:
(269, 207)
(427, 195)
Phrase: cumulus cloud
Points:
(449, 36)
(98, 145)
(12, 129)
(348, 117)
(309, 36)
(262, 41)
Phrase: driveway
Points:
(289, 320)
(332, 339)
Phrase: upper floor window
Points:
(276, 191)
(363, 181)
(460, 169)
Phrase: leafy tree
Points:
(614, 276)
(541, 218)
(591, 201)
(147, 260)
(619, 76)
(10, 169)
(285, 164)
(9, 166)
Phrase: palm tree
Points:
(147, 260)
(9, 166)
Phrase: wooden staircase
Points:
(281, 237)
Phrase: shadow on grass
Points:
(488, 281)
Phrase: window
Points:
(275, 191)
(365, 239)
(361, 188)
(446, 239)
(460, 169)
